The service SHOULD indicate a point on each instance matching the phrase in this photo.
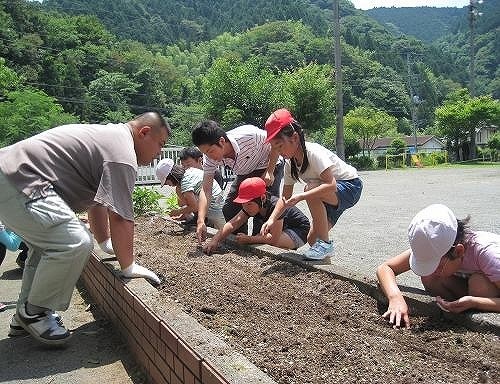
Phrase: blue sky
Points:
(367, 4)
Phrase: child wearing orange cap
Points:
(290, 231)
(459, 266)
(332, 186)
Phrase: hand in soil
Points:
(307, 327)
(210, 247)
(397, 313)
(242, 238)
(457, 306)
(201, 232)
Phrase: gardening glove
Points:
(107, 246)
(134, 270)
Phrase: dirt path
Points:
(306, 327)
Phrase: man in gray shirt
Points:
(44, 180)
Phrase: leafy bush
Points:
(380, 163)
(494, 142)
(146, 201)
(434, 158)
(393, 161)
(171, 203)
(486, 153)
(398, 146)
(361, 162)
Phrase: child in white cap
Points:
(459, 266)
(188, 183)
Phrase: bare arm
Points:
(276, 237)
(228, 228)
(98, 220)
(180, 198)
(327, 187)
(190, 205)
(122, 234)
(489, 304)
(386, 274)
(268, 175)
(278, 210)
(203, 199)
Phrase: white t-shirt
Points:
(193, 180)
(320, 159)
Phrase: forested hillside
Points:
(164, 21)
(449, 30)
(487, 47)
(425, 23)
(169, 21)
(56, 67)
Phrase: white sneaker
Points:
(15, 328)
(43, 327)
(319, 250)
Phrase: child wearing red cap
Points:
(245, 151)
(332, 186)
(290, 231)
(459, 266)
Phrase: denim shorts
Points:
(348, 194)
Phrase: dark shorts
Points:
(298, 236)
(348, 194)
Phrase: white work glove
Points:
(135, 270)
(107, 246)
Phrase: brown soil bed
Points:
(301, 326)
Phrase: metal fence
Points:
(146, 173)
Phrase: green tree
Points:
(397, 147)
(235, 92)
(108, 97)
(369, 124)
(351, 141)
(461, 116)
(27, 112)
(309, 92)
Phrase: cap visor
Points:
(241, 200)
(422, 269)
(272, 136)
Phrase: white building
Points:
(425, 144)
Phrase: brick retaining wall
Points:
(161, 352)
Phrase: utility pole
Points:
(413, 104)
(473, 14)
(339, 107)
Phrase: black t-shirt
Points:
(293, 218)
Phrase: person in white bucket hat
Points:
(459, 266)
(188, 184)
